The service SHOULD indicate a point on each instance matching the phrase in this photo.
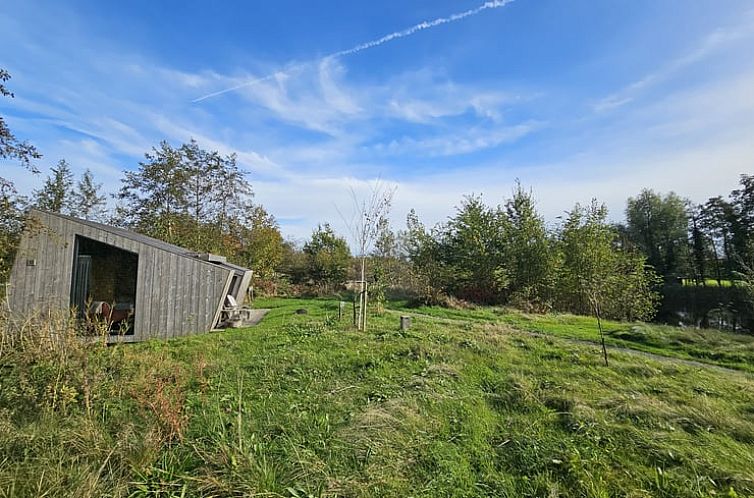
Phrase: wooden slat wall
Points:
(175, 295)
(46, 285)
(143, 282)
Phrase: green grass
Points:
(465, 403)
(709, 282)
(710, 346)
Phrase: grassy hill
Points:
(480, 402)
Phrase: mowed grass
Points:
(303, 405)
(715, 347)
(709, 282)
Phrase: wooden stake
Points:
(366, 307)
(602, 335)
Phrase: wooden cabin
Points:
(146, 287)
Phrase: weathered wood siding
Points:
(175, 294)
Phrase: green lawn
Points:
(707, 346)
(465, 403)
(709, 282)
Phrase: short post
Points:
(354, 310)
(405, 322)
(341, 305)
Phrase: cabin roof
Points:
(143, 239)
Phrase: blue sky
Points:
(577, 99)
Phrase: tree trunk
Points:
(602, 334)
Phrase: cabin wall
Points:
(175, 295)
(48, 241)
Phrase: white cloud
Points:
(457, 142)
(710, 45)
(695, 142)
(426, 98)
(396, 35)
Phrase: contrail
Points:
(420, 27)
(494, 4)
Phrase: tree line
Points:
(505, 254)
(704, 253)
(670, 258)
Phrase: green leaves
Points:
(595, 273)
(658, 225)
(88, 204)
(10, 146)
(485, 254)
(56, 193)
(328, 256)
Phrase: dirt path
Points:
(583, 342)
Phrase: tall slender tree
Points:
(717, 218)
(588, 258)
(700, 245)
(88, 203)
(56, 195)
(202, 172)
(367, 215)
(743, 236)
(529, 252)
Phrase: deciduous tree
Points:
(659, 226)
(473, 244)
(187, 196)
(11, 147)
(11, 204)
(431, 276)
(328, 257)
(367, 215)
(597, 276)
(261, 245)
(11, 224)
(153, 198)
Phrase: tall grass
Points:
(78, 418)
(303, 405)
